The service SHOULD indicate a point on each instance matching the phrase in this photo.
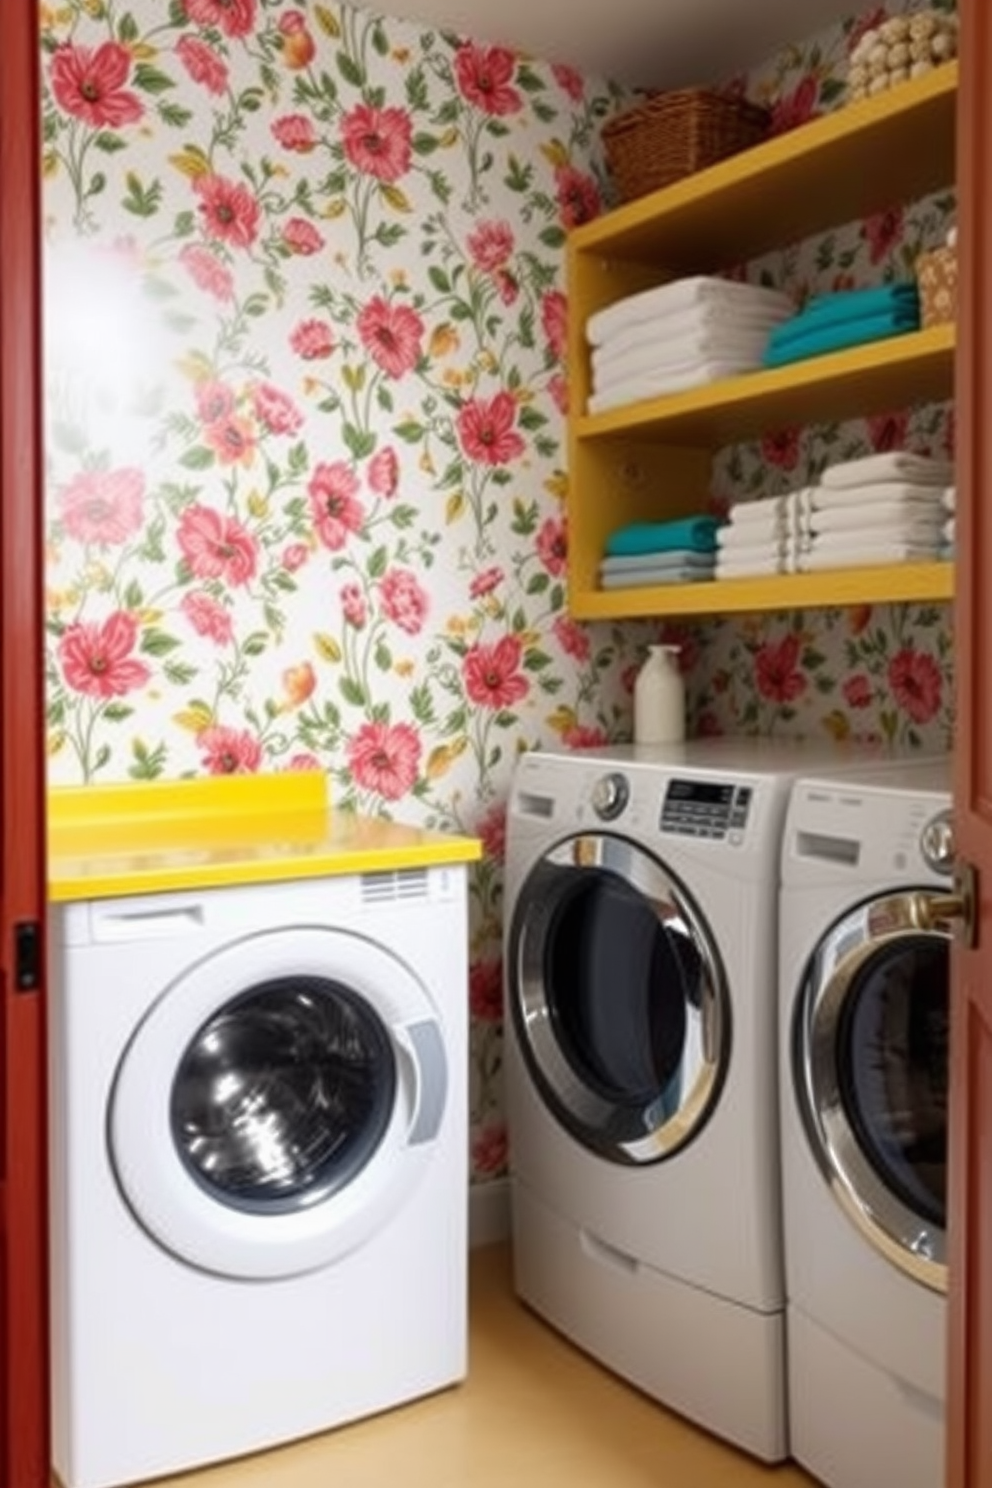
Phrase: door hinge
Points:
(27, 956)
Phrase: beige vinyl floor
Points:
(534, 1413)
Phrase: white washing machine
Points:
(259, 1186)
(641, 992)
(864, 1051)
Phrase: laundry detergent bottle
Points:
(659, 698)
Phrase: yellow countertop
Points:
(109, 841)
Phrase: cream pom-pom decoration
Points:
(900, 48)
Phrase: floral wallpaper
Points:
(305, 321)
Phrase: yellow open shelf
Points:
(891, 584)
(652, 460)
(895, 147)
(881, 374)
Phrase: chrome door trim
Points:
(917, 1247)
(619, 1133)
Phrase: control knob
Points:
(937, 843)
(610, 795)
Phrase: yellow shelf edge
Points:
(765, 158)
(833, 588)
(767, 384)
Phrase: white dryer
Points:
(259, 1189)
(864, 1070)
(642, 900)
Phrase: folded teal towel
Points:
(697, 533)
(845, 305)
(677, 558)
(836, 337)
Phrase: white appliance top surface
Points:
(926, 776)
(751, 754)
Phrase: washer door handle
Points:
(424, 1048)
(954, 912)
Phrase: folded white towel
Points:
(901, 493)
(674, 380)
(696, 321)
(752, 566)
(861, 556)
(950, 498)
(892, 516)
(666, 353)
(759, 512)
(903, 532)
(949, 530)
(749, 537)
(893, 465)
(679, 295)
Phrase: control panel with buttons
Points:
(700, 808)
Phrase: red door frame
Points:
(24, 1373)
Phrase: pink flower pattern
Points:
(207, 617)
(486, 430)
(484, 76)
(295, 132)
(88, 82)
(492, 675)
(377, 142)
(229, 751)
(203, 64)
(385, 758)
(403, 600)
(391, 334)
(207, 272)
(104, 507)
(234, 18)
(96, 659)
(229, 211)
(216, 547)
(312, 340)
(337, 512)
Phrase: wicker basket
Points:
(674, 135)
(937, 277)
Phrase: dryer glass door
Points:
(283, 1094)
(618, 998)
(871, 1053)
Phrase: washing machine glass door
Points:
(283, 1094)
(278, 1102)
(871, 1073)
(618, 998)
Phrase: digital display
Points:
(699, 792)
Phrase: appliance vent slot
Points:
(385, 888)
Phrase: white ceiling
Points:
(649, 43)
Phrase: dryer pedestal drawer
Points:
(705, 1357)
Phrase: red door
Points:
(24, 1438)
(970, 1383)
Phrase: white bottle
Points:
(659, 698)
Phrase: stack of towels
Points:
(762, 537)
(887, 508)
(846, 318)
(679, 335)
(681, 551)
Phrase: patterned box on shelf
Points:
(674, 135)
(937, 277)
